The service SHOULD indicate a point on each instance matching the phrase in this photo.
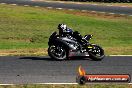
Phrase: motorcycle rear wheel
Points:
(57, 52)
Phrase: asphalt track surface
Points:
(99, 8)
(19, 70)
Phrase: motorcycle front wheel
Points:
(96, 53)
(57, 52)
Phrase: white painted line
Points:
(59, 83)
(36, 6)
(61, 2)
(93, 11)
(71, 83)
(71, 9)
(123, 6)
(78, 3)
(119, 55)
(111, 13)
(2, 3)
(26, 5)
(109, 5)
(13, 4)
(59, 8)
(122, 14)
(56, 83)
(49, 7)
(84, 10)
(94, 4)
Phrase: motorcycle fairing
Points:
(71, 45)
(78, 54)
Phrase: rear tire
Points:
(57, 52)
(97, 53)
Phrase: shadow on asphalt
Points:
(51, 59)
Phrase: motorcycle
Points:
(61, 48)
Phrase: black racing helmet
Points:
(62, 27)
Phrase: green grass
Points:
(71, 86)
(30, 27)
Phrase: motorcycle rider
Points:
(64, 31)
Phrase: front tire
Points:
(57, 52)
(96, 53)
